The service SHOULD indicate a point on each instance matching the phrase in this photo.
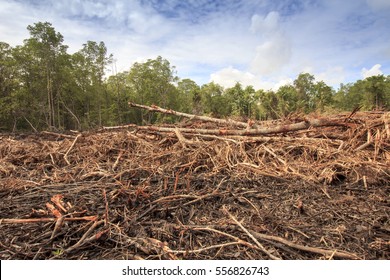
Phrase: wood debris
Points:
(313, 187)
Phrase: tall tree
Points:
(304, 84)
(323, 96)
(376, 92)
(214, 100)
(268, 105)
(8, 84)
(88, 71)
(153, 83)
(46, 47)
(288, 100)
(189, 96)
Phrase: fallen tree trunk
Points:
(250, 132)
(155, 108)
(251, 128)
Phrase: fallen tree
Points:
(155, 108)
(252, 129)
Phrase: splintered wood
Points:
(310, 187)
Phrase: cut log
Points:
(155, 108)
(250, 132)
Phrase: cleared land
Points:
(200, 190)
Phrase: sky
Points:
(263, 43)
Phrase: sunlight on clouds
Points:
(374, 71)
(282, 82)
(332, 76)
(267, 24)
(229, 76)
(272, 55)
(275, 51)
(270, 42)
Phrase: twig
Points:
(145, 213)
(249, 234)
(174, 197)
(59, 135)
(35, 130)
(45, 220)
(70, 148)
(243, 242)
(205, 248)
(339, 254)
(57, 226)
(106, 217)
(84, 237)
(297, 230)
(117, 160)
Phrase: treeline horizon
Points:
(43, 87)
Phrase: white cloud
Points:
(267, 24)
(332, 76)
(282, 82)
(379, 4)
(330, 39)
(373, 71)
(275, 49)
(271, 55)
(229, 76)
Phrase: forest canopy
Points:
(43, 87)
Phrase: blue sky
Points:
(264, 43)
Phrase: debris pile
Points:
(305, 187)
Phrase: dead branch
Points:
(45, 220)
(83, 239)
(205, 248)
(249, 132)
(70, 148)
(155, 108)
(339, 254)
(224, 209)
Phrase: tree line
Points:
(43, 87)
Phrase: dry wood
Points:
(45, 220)
(84, 239)
(159, 193)
(339, 254)
(249, 132)
(155, 108)
(250, 235)
(70, 148)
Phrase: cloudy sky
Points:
(264, 43)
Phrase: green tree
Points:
(268, 105)
(8, 84)
(376, 95)
(91, 62)
(241, 100)
(288, 100)
(119, 88)
(46, 50)
(214, 100)
(304, 85)
(189, 96)
(153, 82)
(323, 96)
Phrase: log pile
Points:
(305, 187)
